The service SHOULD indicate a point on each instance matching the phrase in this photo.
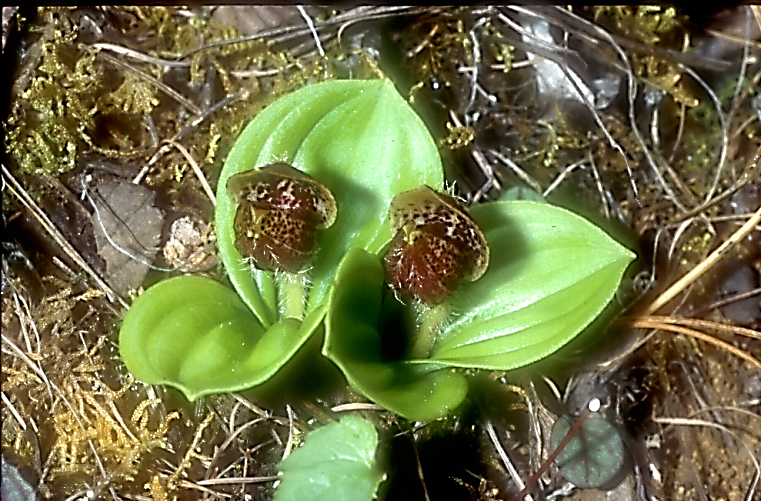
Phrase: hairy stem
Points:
(293, 292)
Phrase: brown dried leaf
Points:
(125, 215)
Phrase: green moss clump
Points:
(54, 107)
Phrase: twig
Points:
(491, 179)
(644, 323)
(522, 175)
(253, 408)
(743, 66)
(196, 169)
(705, 265)
(677, 235)
(166, 89)
(19, 192)
(476, 62)
(193, 485)
(423, 43)
(679, 131)
(260, 73)
(525, 33)
(598, 183)
(555, 182)
(722, 121)
(206, 114)
(134, 54)
(505, 459)
(729, 300)
(238, 480)
(420, 473)
(285, 33)
(228, 441)
(730, 408)
(747, 175)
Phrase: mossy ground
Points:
(666, 166)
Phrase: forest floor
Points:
(645, 120)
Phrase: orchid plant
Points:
(317, 204)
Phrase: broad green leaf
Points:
(336, 463)
(551, 273)
(363, 142)
(352, 341)
(593, 456)
(196, 335)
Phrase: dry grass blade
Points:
(645, 323)
(289, 444)
(713, 258)
(693, 322)
(238, 480)
(359, 406)
(15, 413)
(20, 193)
(126, 51)
(196, 169)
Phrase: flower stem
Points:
(293, 291)
(432, 317)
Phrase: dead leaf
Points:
(125, 216)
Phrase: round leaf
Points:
(362, 141)
(552, 272)
(594, 454)
(196, 335)
(336, 462)
(415, 391)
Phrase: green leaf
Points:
(363, 142)
(352, 341)
(551, 273)
(196, 335)
(593, 456)
(336, 463)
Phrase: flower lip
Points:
(281, 186)
(435, 247)
(279, 210)
(442, 216)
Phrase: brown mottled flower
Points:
(279, 210)
(436, 246)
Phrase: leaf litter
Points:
(663, 151)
